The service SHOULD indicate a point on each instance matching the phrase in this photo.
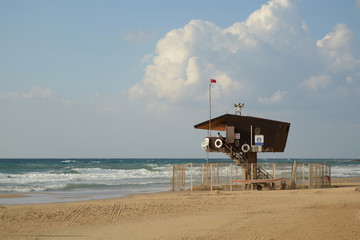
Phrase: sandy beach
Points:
(329, 213)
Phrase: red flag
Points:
(212, 81)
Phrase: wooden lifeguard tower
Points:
(245, 137)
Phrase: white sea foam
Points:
(68, 161)
(42, 181)
(71, 176)
(345, 171)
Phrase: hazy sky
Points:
(130, 78)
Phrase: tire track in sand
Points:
(116, 212)
(71, 219)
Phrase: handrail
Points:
(263, 171)
(242, 159)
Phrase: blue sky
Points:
(130, 78)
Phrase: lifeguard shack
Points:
(244, 138)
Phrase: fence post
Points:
(293, 184)
(230, 176)
(173, 179)
(236, 172)
(303, 172)
(183, 177)
(274, 172)
(217, 177)
(202, 174)
(322, 174)
(211, 187)
(252, 175)
(329, 174)
(309, 175)
(191, 180)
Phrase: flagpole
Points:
(209, 132)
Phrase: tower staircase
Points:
(241, 159)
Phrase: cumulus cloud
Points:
(337, 47)
(36, 92)
(276, 24)
(316, 82)
(182, 64)
(337, 41)
(276, 98)
(186, 58)
(270, 50)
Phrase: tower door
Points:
(230, 134)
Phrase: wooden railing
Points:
(239, 158)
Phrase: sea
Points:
(73, 179)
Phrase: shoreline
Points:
(64, 197)
(14, 199)
(327, 213)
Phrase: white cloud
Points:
(276, 24)
(343, 90)
(182, 64)
(186, 58)
(337, 47)
(67, 102)
(138, 37)
(36, 92)
(349, 79)
(358, 3)
(146, 59)
(338, 40)
(305, 26)
(276, 98)
(316, 82)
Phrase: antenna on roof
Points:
(239, 106)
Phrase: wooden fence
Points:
(228, 176)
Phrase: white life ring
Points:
(218, 143)
(245, 148)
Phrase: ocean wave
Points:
(82, 173)
(85, 177)
(72, 175)
(70, 171)
(79, 185)
(94, 186)
(345, 171)
(68, 161)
